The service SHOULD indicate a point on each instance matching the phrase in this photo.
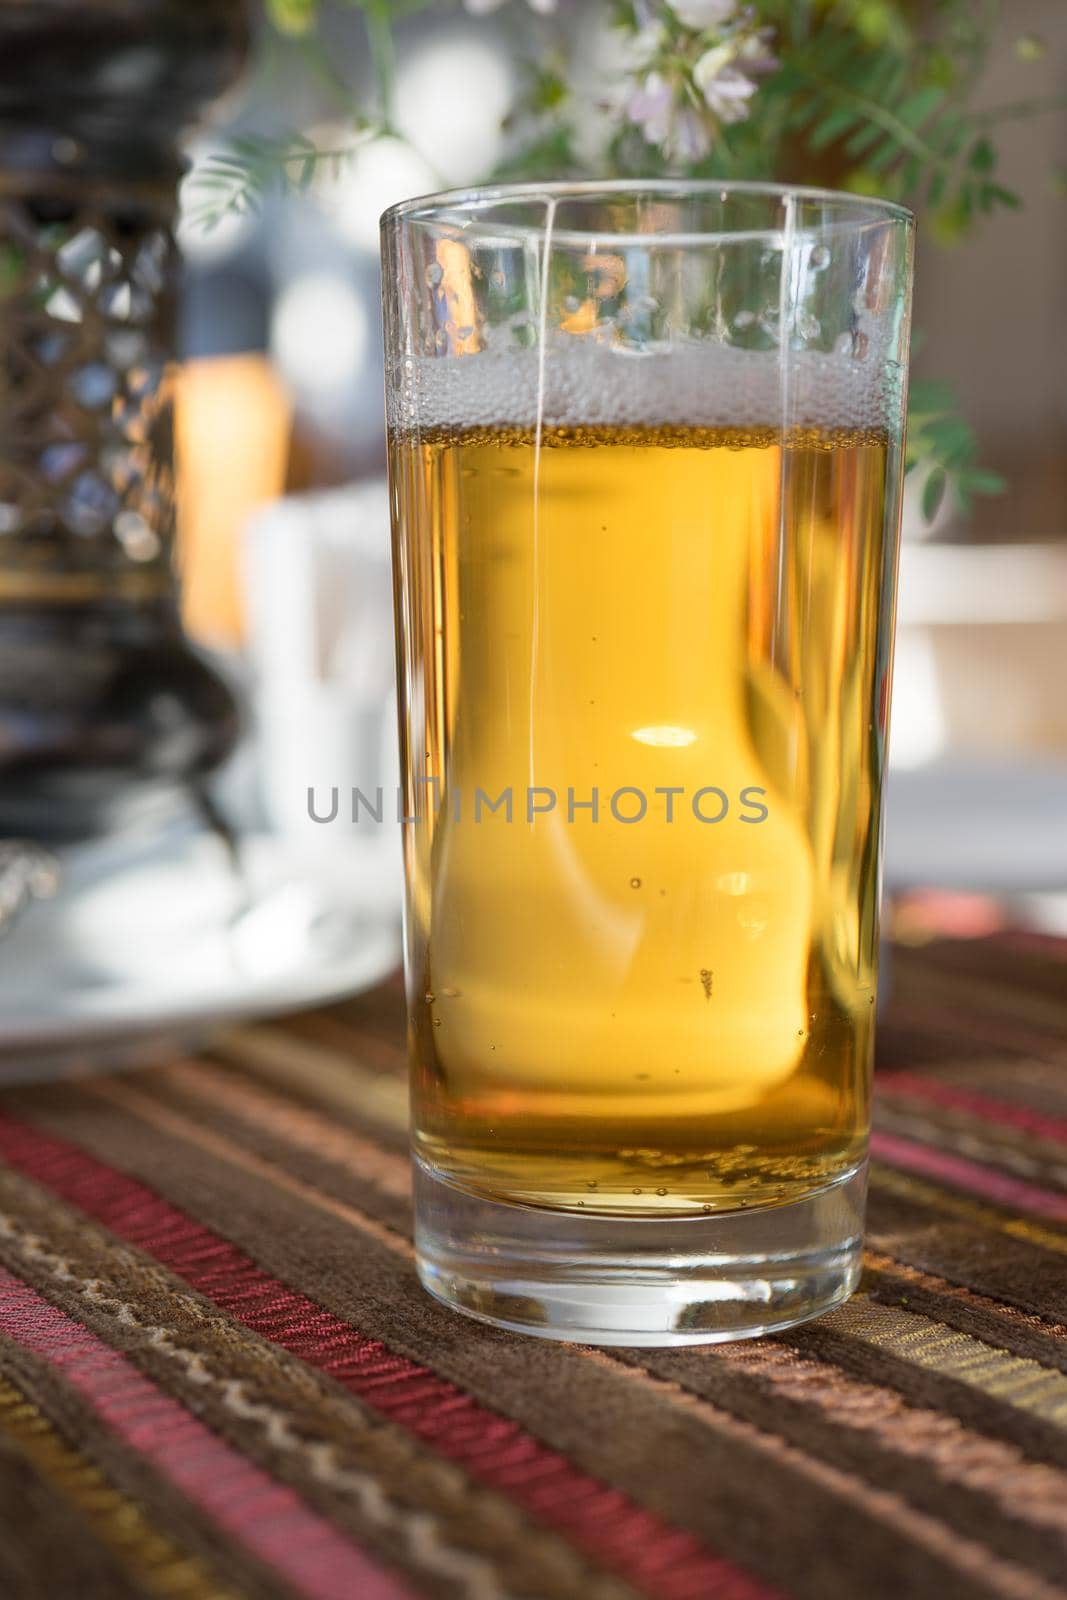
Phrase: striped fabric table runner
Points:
(219, 1378)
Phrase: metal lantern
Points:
(105, 709)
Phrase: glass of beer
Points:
(645, 455)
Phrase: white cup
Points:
(318, 591)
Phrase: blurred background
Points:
(281, 331)
(282, 511)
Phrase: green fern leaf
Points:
(868, 135)
(832, 126)
(933, 493)
(1000, 196)
(884, 156)
(916, 108)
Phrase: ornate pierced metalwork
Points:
(86, 335)
(104, 708)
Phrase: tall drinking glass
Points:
(645, 450)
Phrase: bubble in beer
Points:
(808, 327)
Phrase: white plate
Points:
(150, 944)
(982, 825)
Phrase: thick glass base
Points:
(645, 1281)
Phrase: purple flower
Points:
(754, 49)
(651, 105)
(689, 84)
(690, 139)
(665, 120)
(725, 88)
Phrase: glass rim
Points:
(461, 208)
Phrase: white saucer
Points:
(152, 944)
(997, 827)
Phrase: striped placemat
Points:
(219, 1378)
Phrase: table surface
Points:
(219, 1377)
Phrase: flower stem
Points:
(383, 57)
(1017, 109)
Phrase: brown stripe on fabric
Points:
(1000, 1219)
(147, 1554)
(226, 1569)
(893, 1283)
(924, 1041)
(377, 1035)
(380, 1010)
(323, 1150)
(835, 1537)
(372, 1026)
(1041, 1438)
(305, 1092)
(369, 1476)
(994, 1016)
(1009, 1258)
(982, 1488)
(1023, 1384)
(975, 1566)
(50, 1550)
(208, 1140)
(335, 1078)
(995, 1145)
(980, 961)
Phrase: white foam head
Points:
(703, 384)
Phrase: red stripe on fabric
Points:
(959, 1173)
(266, 1517)
(989, 1109)
(666, 1562)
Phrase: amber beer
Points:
(650, 989)
(645, 458)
